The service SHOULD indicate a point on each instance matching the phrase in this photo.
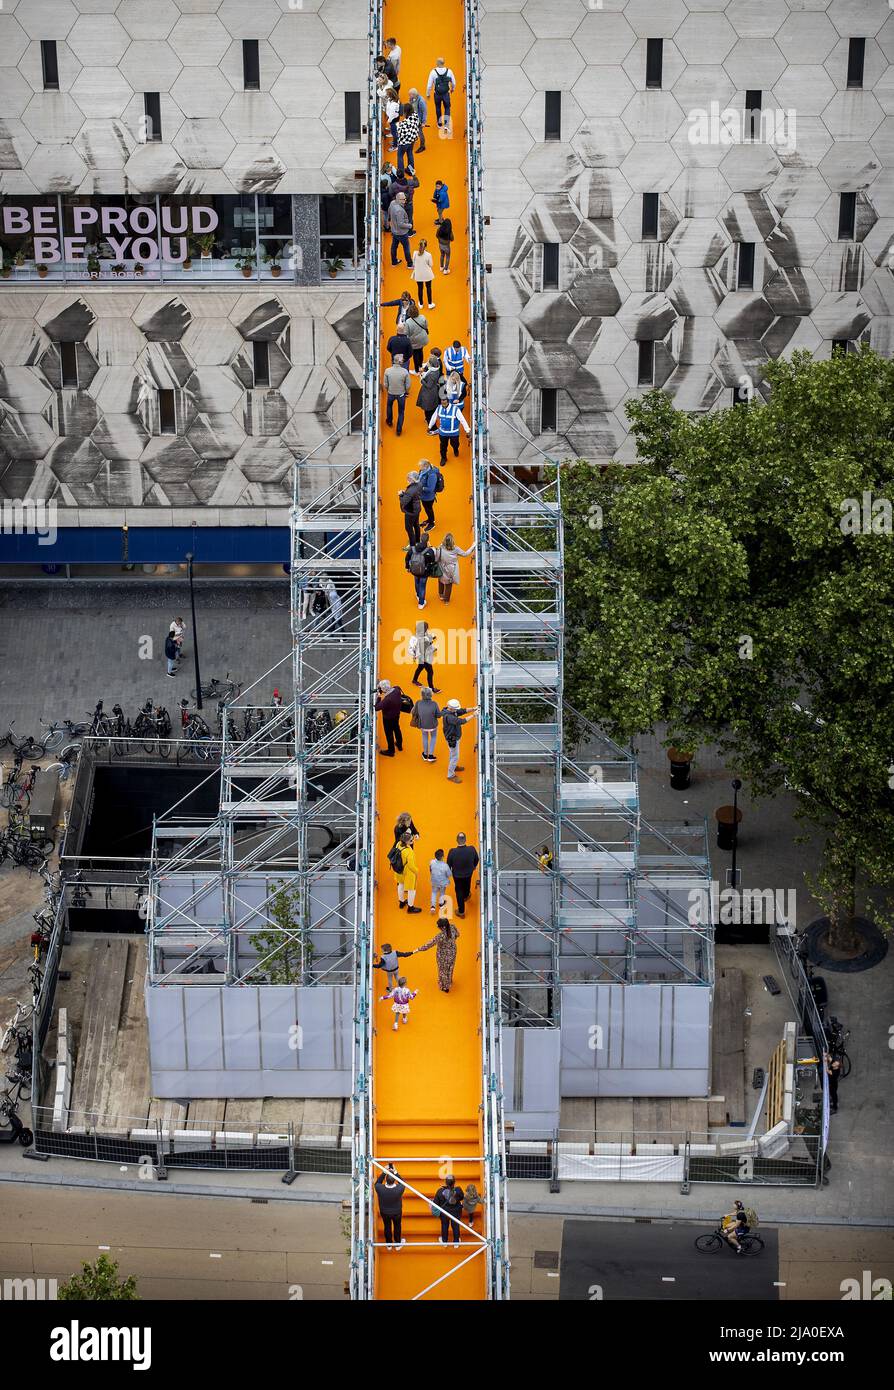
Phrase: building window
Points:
(50, 63)
(650, 217)
(847, 216)
(553, 116)
(353, 128)
(654, 61)
(741, 395)
(745, 278)
(551, 265)
(167, 415)
(251, 65)
(261, 360)
(68, 354)
(753, 103)
(152, 108)
(343, 234)
(355, 408)
(842, 346)
(645, 375)
(856, 53)
(549, 410)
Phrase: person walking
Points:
(449, 1199)
(441, 200)
(445, 240)
(445, 944)
(452, 721)
(463, 861)
(416, 329)
(336, 606)
(420, 110)
(425, 716)
(447, 559)
(431, 379)
(431, 482)
(403, 305)
(411, 507)
(404, 823)
(397, 388)
(393, 53)
(406, 879)
(446, 422)
(418, 564)
(471, 1203)
(400, 226)
(423, 649)
(833, 1072)
(439, 873)
(390, 1192)
(400, 1000)
(389, 703)
(407, 132)
(388, 961)
(172, 652)
(423, 273)
(399, 346)
(441, 83)
(455, 388)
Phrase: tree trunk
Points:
(841, 935)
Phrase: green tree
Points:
(729, 587)
(99, 1282)
(284, 946)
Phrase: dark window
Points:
(50, 64)
(68, 352)
(654, 58)
(550, 265)
(856, 52)
(753, 103)
(553, 116)
(646, 372)
(841, 345)
(261, 356)
(746, 266)
(352, 116)
(152, 107)
(650, 216)
(356, 409)
(847, 216)
(251, 65)
(166, 414)
(549, 410)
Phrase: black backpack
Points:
(430, 561)
(439, 485)
(442, 84)
(395, 859)
(319, 604)
(452, 726)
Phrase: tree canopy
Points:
(738, 585)
(99, 1282)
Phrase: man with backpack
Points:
(431, 482)
(411, 505)
(445, 423)
(389, 703)
(441, 82)
(421, 562)
(453, 718)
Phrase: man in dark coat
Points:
(388, 704)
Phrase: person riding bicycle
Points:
(734, 1224)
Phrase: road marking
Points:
(668, 1279)
(327, 1262)
(212, 1256)
(103, 1247)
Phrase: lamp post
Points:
(737, 785)
(195, 635)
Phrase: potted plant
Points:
(119, 268)
(21, 256)
(138, 269)
(93, 263)
(245, 261)
(205, 243)
(334, 265)
(272, 258)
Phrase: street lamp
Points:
(737, 786)
(195, 635)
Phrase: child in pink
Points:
(400, 1001)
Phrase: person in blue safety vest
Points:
(446, 422)
(456, 357)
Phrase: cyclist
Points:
(734, 1224)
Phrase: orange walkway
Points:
(427, 1077)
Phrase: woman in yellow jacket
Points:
(406, 880)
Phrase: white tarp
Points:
(641, 1167)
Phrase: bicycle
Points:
(57, 733)
(837, 1036)
(153, 726)
(101, 725)
(121, 731)
(23, 794)
(750, 1244)
(22, 1014)
(10, 789)
(27, 747)
(216, 689)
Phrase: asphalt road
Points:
(627, 1260)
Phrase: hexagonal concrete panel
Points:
(602, 92)
(699, 85)
(806, 38)
(144, 21)
(151, 60)
(47, 18)
(53, 118)
(841, 316)
(598, 293)
(744, 314)
(850, 166)
(705, 38)
(797, 241)
(56, 169)
(13, 41)
(597, 143)
(603, 39)
(155, 168)
(842, 267)
(199, 40)
(533, 118)
(755, 62)
(506, 34)
(793, 292)
(269, 64)
(300, 39)
(120, 437)
(304, 92)
(551, 168)
(252, 19)
(66, 322)
(651, 168)
(508, 91)
(645, 317)
(304, 143)
(698, 241)
(215, 436)
(647, 267)
(253, 116)
(652, 116)
(201, 92)
(23, 390)
(856, 16)
(101, 93)
(203, 143)
(807, 89)
(696, 293)
(651, 21)
(98, 40)
(254, 169)
(755, 19)
(750, 167)
(554, 64)
(699, 192)
(749, 217)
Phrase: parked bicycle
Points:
(21, 1016)
(56, 733)
(101, 725)
(837, 1036)
(10, 790)
(153, 726)
(215, 689)
(22, 850)
(14, 1131)
(27, 747)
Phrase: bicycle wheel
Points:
(164, 748)
(46, 845)
(751, 1245)
(845, 1063)
(711, 1242)
(53, 738)
(26, 1138)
